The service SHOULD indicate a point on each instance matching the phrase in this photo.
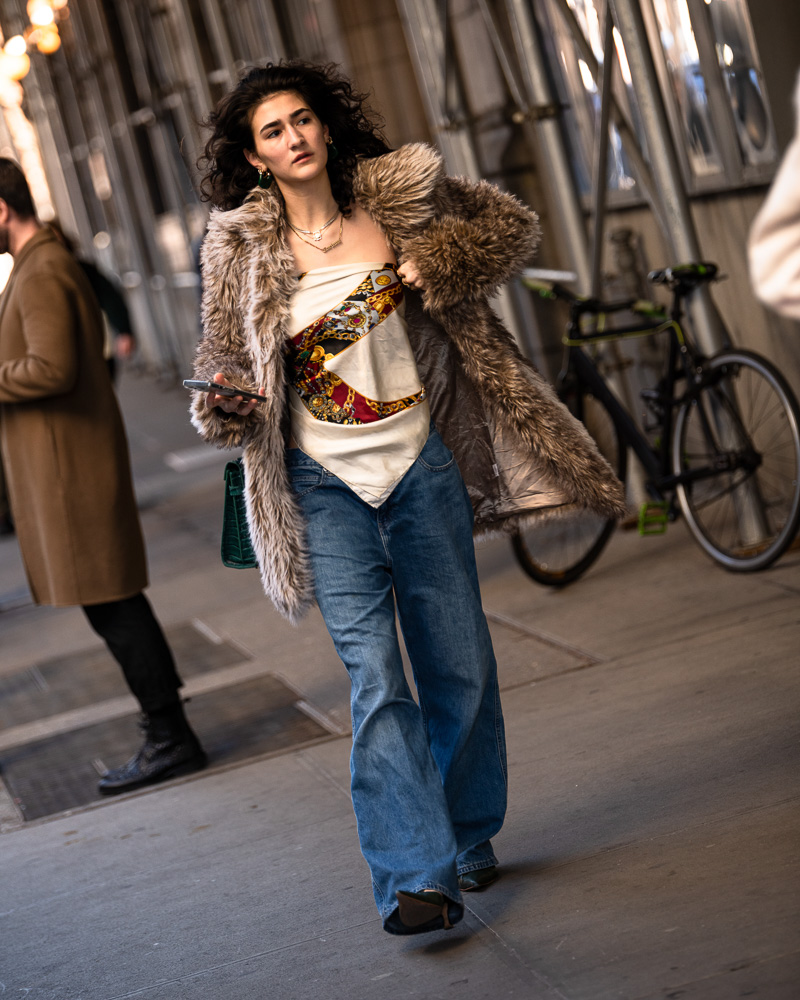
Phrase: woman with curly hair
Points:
(348, 285)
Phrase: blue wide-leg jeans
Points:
(428, 781)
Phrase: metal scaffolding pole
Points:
(220, 41)
(619, 114)
(425, 26)
(600, 180)
(198, 77)
(550, 140)
(680, 229)
(104, 96)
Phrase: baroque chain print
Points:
(325, 394)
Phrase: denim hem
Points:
(478, 866)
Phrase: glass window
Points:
(711, 80)
(688, 85)
(578, 90)
(735, 48)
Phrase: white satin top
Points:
(357, 404)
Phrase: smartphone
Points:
(220, 390)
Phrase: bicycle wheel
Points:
(741, 435)
(558, 551)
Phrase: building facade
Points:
(508, 89)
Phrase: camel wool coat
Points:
(61, 435)
(519, 450)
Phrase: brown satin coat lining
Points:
(502, 481)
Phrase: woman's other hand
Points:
(231, 404)
(410, 276)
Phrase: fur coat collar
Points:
(520, 451)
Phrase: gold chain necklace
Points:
(316, 246)
(315, 234)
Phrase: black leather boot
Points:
(170, 749)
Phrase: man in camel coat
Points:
(69, 480)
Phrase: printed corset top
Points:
(352, 363)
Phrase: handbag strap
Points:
(234, 477)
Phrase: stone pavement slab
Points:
(650, 849)
(658, 820)
(214, 887)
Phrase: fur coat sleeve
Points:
(247, 285)
(223, 346)
(465, 238)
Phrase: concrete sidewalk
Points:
(651, 845)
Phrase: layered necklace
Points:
(316, 234)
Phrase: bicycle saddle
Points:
(686, 276)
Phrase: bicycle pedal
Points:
(653, 517)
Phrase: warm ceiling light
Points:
(58, 4)
(15, 46)
(10, 93)
(14, 67)
(48, 40)
(42, 16)
(40, 12)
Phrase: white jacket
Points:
(774, 244)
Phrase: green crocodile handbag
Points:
(237, 546)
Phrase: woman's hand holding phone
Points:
(232, 404)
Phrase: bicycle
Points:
(726, 446)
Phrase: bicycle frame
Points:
(652, 460)
(720, 418)
(682, 362)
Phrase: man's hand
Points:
(123, 346)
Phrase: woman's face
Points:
(288, 139)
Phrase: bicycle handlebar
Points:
(679, 278)
(554, 290)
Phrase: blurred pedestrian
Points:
(6, 524)
(118, 342)
(69, 480)
(774, 245)
(349, 285)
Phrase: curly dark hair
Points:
(355, 129)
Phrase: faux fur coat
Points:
(519, 450)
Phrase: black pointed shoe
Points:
(170, 749)
(421, 912)
(479, 879)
